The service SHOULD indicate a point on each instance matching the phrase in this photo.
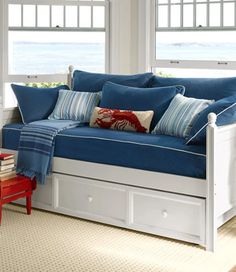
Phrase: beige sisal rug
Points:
(50, 242)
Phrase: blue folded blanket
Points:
(36, 147)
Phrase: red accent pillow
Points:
(138, 121)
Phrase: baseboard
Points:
(226, 216)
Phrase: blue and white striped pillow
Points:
(180, 115)
(76, 106)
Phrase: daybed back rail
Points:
(70, 76)
(11, 115)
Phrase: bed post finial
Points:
(212, 119)
(71, 68)
(70, 76)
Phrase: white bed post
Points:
(70, 76)
(211, 224)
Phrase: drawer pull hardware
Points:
(164, 213)
(90, 199)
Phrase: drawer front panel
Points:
(91, 197)
(166, 211)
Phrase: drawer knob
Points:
(90, 199)
(164, 213)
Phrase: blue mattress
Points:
(158, 153)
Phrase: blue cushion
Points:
(159, 153)
(120, 97)
(225, 109)
(93, 82)
(180, 115)
(76, 106)
(36, 103)
(202, 88)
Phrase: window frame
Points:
(182, 63)
(52, 77)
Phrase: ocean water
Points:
(50, 58)
(219, 51)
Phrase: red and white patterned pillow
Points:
(126, 120)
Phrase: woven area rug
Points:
(45, 241)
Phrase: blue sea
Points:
(46, 58)
(38, 58)
(219, 51)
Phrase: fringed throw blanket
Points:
(36, 147)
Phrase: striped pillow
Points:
(180, 115)
(76, 106)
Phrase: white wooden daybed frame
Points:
(179, 207)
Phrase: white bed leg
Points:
(211, 226)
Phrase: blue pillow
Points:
(180, 115)
(202, 88)
(76, 106)
(93, 82)
(225, 109)
(120, 97)
(36, 103)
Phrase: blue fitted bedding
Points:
(159, 153)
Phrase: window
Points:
(194, 34)
(42, 38)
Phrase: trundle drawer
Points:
(89, 198)
(168, 214)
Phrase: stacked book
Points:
(7, 166)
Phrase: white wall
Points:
(1, 59)
(120, 39)
(129, 40)
(1, 48)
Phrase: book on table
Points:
(6, 156)
(6, 162)
(7, 166)
(8, 175)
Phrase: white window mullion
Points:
(36, 16)
(92, 17)
(22, 15)
(194, 14)
(156, 15)
(107, 43)
(78, 7)
(235, 13)
(181, 14)
(222, 13)
(64, 16)
(50, 15)
(169, 13)
(208, 13)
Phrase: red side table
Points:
(16, 188)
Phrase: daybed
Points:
(156, 184)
